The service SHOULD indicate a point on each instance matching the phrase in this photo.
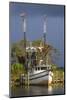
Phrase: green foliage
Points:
(36, 43)
(58, 72)
(17, 69)
(54, 67)
(21, 43)
(18, 49)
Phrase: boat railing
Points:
(41, 67)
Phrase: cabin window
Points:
(38, 68)
(43, 68)
(35, 68)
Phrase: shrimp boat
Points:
(39, 73)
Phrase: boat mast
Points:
(44, 39)
(23, 16)
(47, 56)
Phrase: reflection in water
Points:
(36, 90)
(49, 89)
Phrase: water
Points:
(18, 91)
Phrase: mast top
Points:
(23, 14)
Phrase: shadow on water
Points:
(17, 91)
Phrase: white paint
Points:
(23, 17)
(24, 25)
(45, 23)
(39, 80)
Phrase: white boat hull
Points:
(40, 78)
